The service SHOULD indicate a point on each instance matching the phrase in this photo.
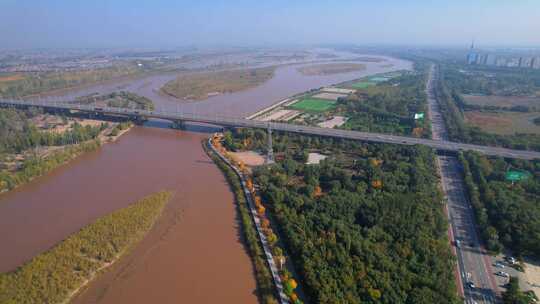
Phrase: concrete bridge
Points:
(181, 117)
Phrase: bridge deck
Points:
(441, 145)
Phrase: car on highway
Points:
(502, 274)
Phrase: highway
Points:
(437, 143)
(473, 263)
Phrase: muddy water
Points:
(194, 255)
(195, 247)
(286, 82)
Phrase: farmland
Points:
(313, 105)
(503, 123)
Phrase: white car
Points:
(499, 265)
(502, 274)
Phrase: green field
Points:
(379, 79)
(313, 105)
(362, 85)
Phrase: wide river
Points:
(195, 253)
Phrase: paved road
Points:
(474, 265)
(439, 144)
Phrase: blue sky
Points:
(168, 23)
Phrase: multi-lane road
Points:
(441, 144)
(476, 282)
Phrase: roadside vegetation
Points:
(513, 295)
(200, 86)
(507, 211)
(366, 225)
(490, 106)
(120, 99)
(265, 284)
(40, 82)
(55, 276)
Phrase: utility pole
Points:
(270, 152)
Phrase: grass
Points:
(379, 79)
(313, 105)
(503, 123)
(56, 275)
(362, 84)
(199, 86)
(331, 68)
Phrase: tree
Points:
(513, 295)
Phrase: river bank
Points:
(24, 167)
(258, 248)
(196, 244)
(78, 259)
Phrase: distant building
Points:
(480, 58)
(491, 59)
(524, 62)
(472, 57)
(535, 63)
(513, 62)
(500, 61)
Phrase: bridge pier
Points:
(138, 120)
(178, 125)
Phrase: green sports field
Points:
(362, 84)
(313, 105)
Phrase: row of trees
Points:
(52, 276)
(278, 253)
(265, 284)
(364, 226)
(35, 166)
(18, 133)
(122, 99)
(492, 81)
(390, 107)
(507, 212)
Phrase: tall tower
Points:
(270, 152)
(472, 56)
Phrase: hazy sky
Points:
(169, 23)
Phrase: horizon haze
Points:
(166, 23)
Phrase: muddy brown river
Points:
(194, 254)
